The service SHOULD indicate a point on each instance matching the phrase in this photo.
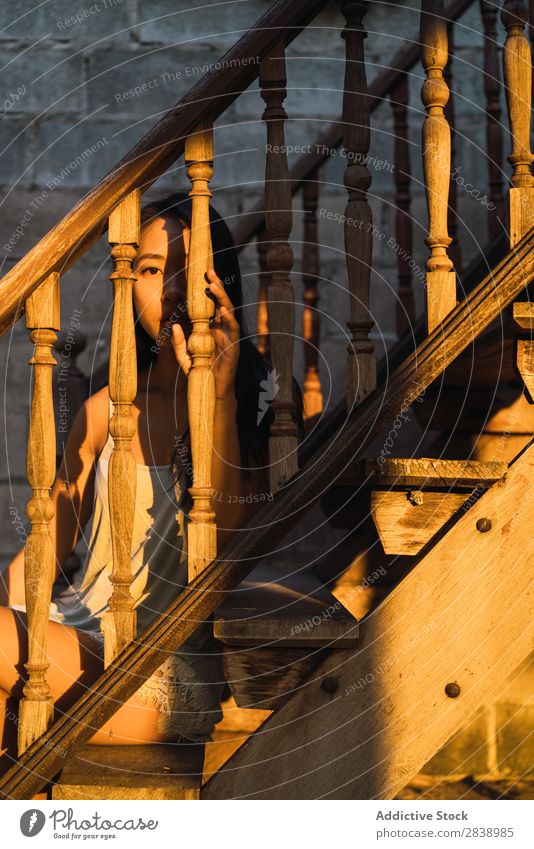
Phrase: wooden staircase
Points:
(357, 706)
(440, 644)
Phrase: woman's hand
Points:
(226, 333)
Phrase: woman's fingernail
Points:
(209, 294)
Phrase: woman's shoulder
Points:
(92, 420)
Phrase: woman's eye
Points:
(151, 270)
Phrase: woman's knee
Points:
(73, 663)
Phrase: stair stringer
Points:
(464, 615)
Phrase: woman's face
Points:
(160, 287)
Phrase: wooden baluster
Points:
(202, 531)
(403, 219)
(119, 623)
(494, 142)
(517, 75)
(262, 320)
(281, 299)
(361, 365)
(452, 212)
(36, 712)
(440, 278)
(313, 395)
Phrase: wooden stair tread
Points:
(294, 611)
(152, 771)
(523, 313)
(431, 472)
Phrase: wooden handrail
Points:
(309, 163)
(44, 758)
(59, 249)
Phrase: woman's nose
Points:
(173, 290)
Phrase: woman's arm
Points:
(72, 493)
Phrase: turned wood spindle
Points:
(517, 75)
(119, 623)
(361, 365)
(455, 249)
(494, 141)
(36, 711)
(440, 278)
(202, 530)
(405, 312)
(262, 326)
(313, 395)
(278, 389)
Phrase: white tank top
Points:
(159, 552)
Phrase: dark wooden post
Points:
(452, 217)
(313, 396)
(281, 297)
(403, 220)
(361, 369)
(494, 142)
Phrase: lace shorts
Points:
(186, 690)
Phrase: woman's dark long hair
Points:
(252, 367)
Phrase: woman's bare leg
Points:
(74, 667)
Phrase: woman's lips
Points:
(175, 315)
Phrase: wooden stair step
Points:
(422, 472)
(275, 633)
(523, 313)
(431, 472)
(295, 611)
(151, 771)
(416, 497)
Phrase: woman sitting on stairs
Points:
(181, 700)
